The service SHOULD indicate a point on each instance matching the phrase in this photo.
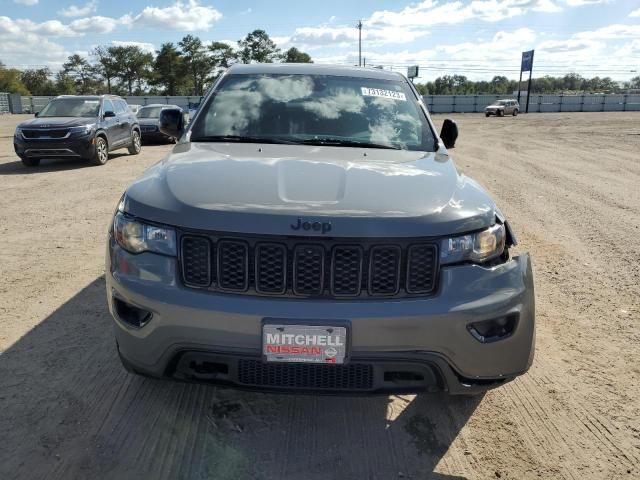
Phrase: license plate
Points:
(304, 343)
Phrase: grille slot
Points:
(352, 376)
(346, 271)
(196, 261)
(308, 270)
(384, 270)
(58, 133)
(318, 267)
(233, 265)
(271, 268)
(421, 268)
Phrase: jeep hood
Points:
(57, 122)
(251, 188)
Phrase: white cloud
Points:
(579, 3)
(183, 16)
(97, 24)
(28, 3)
(635, 13)
(51, 28)
(80, 11)
(144, 46)
(616, 31)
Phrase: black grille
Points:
(271, 268)
(58, 133)
(346, 272)
(308, 270)
(352, 376)
(317, 267)
(421, 268)
(384, 270)
(196, 261)
(233, 263)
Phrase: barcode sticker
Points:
(378, 92)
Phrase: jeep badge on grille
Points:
(323, 227)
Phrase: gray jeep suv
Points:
(311, 232)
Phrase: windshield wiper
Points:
(242, 139)
(341, 142)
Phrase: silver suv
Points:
(501, 108)
(310, 232)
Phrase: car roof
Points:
(92, 97)
(313, 69)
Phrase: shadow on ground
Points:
(68, 410)
(50, 165)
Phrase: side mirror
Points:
(449, 133)
(109, 114)
(37, 113)
(171, 122)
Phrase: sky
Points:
(475, 38)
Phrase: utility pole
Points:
(359, 27)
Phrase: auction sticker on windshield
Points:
(304, 343)
(378, 92)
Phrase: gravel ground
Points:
(570, 186)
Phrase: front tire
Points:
(30, 162)
(136, 143)
(487, 115)
(515, 112)
(101, 155)
(500, 113)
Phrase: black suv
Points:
(85, 127)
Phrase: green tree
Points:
(196, 61)
(133, 66)
(635, 82)
(107, 65)
(169, 70)
(257, 47)
(11, 82)
(293, 55)
(65, 84)
(38, 81)
(222, 56)
(83, 73)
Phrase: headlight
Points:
(137, 237)
(18, 132)
(475, 247)
(84, 129)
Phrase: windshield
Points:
(149, 112)
(327, 110)
(71, 107)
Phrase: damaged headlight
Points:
(137, 237)
(476, 247)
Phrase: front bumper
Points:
(201, 335)
(81, 146)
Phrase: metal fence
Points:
(4, 103)
(435, 103)
(538, 103)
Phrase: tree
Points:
(133, 66)
(65, 84)
(222, 56)
(258, 47)
(10, 81)
(169, 70)
(196, 61)
(107, 65)
(38, 81)
(83, 73)
(635, 82)
(293, 55)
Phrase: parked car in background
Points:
(311, 232)
(134, 107)
(83, 127)
(500, 108)
(149, 118)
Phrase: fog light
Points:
(131, 315)
(488, 331)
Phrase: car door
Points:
(509, 108)
(124, 118)
(110, 123)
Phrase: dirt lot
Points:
(569, 184)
